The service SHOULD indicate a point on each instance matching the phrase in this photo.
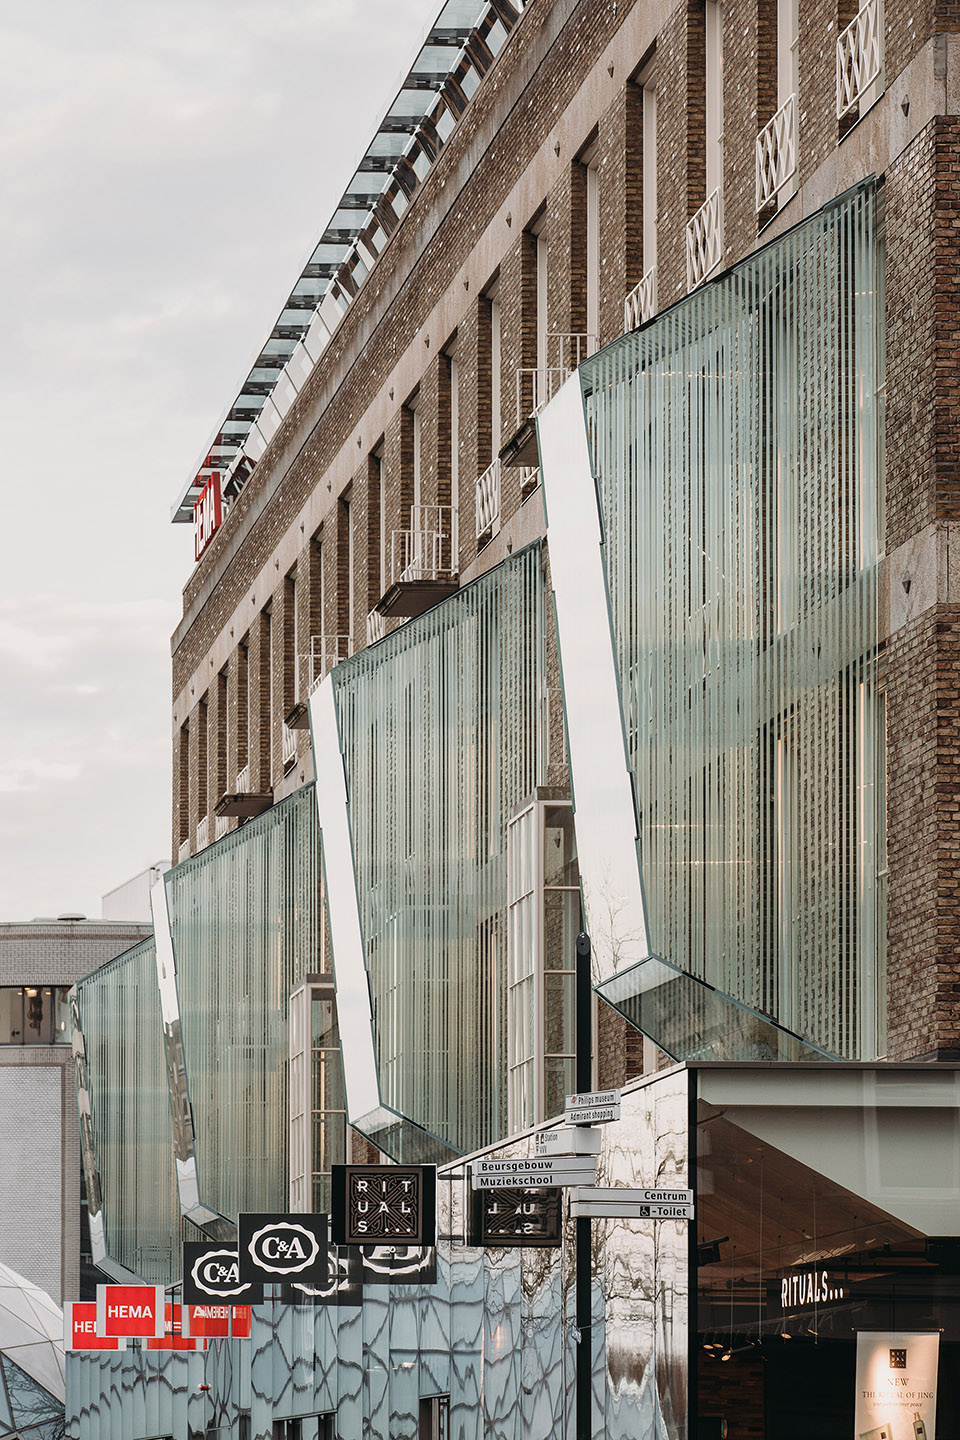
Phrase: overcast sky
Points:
(165, 168)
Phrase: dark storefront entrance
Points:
(822, 1202)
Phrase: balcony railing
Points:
(203, 833)
(705, 240)
(243, 780)
(289, 745)
(427, 551)
(641, 304)
(859, 57)
(488, 502)
(184, 851)
(777, 153)
(221, 826)
(529, 480)
(326, 651)
(537, 384)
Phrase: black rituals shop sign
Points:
(384, 1204)
(525, 1216)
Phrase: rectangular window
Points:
(417, 479)
(495, 328)
(183, 800)
(714, 95)
(648, 82)
(454, 430)
(379, 478)
(541, 299)
(593, 251)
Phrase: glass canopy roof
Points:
(455, 54)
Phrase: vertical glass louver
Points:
(128, 1153)
(734, 442)
(441, 728)
(245, 920)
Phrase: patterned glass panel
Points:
(246, 929)
(441, 730)
(735, 445)
(119, 1010)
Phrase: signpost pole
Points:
(584, 1369)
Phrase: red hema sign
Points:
(217, 1322)
(130, 1310)
(80, 1328)
(207, 514)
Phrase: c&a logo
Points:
(212, 1272)
(283, 1247)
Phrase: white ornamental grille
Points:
(704, 240)
(428, 550)
(777, 153)
(488, 502)
(859, 56)
(641, 304)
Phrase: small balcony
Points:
(705, 240)
(326, 652)
(289, 744)
(536, 386)
(424, 562)
(222, 826)
(860, 60)
(777, 154)
(641, 304)
(203, 833)
(240, 801)
(183, 852)
(488, 503)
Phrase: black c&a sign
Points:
(211, 1273)
(282, 1248)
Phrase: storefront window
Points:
(34, 1015)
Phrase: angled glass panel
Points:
(29, 1402)
(245, 930)
(441, 733)
(125, 1119)
(732, 451)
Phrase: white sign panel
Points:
(564, 1170)
(896, 1385)
(571, 1141)
(594, 1107)
(614, 1209)
(635, 1197)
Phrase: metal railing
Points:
(641, 304)
(529, 480)
(428, 549)
(203, 833)
(705, 240)
(222, 826)
(859, 57)
(376, 627)
(537, 384)
(289, 745)
(243, 780)
(488, 502)
(184, 851)
(777, 153)
(326, 651)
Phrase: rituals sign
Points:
(384, 1204)
(522, 1217)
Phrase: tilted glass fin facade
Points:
(441, 726)
(245, 919)
(734, 442)
(134, 1179)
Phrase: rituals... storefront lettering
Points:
(809, 1287)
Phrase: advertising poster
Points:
(896, 1385)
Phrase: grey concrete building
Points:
(40, 1181)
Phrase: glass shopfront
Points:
(826, 1226)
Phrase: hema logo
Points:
(218, 1273)
(282, 1248)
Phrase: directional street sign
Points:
(593, 1202)
(593, 1107)
(564, 1170)
(655, 1196)
(573, 1140)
